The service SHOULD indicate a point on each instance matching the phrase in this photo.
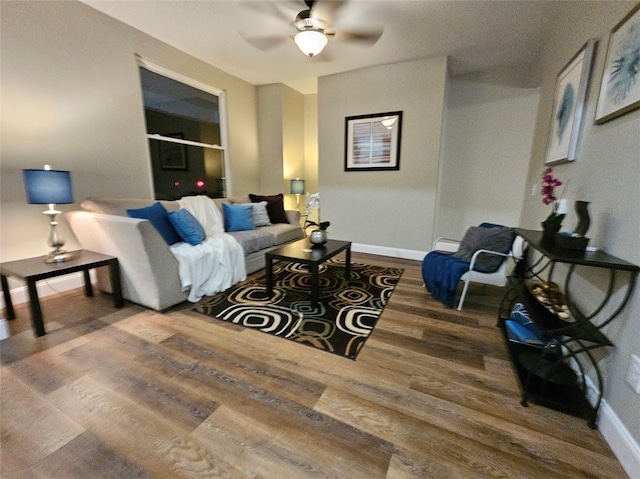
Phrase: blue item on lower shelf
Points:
(521, 329)
(521, 334)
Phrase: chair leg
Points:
(464, 293)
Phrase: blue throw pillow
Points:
(187, 226)
(238, 217)
(158, 217)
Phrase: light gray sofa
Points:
(148, 268)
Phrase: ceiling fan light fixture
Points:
(311, 42)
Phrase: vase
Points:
(318, 237)
(582, 210)
(549, 233)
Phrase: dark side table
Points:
(33, 270)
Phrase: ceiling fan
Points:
(313, 29)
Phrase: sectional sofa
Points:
(150, 271)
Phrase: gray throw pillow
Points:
(498, 238)
(275, 206)
(260, 214)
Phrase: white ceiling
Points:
(475, 34)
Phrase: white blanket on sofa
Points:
(217, 263)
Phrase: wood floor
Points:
(132, 393)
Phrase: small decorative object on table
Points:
(549, 295)
(576, 240)
(571, 241)
(318, 236)
(552, 224)
(582, 210)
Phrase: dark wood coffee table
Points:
(35, 269)
(303, 252)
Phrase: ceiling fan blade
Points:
(325, 10)
(269, 8)
(369, 36)
(266, 43)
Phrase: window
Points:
(187, 136)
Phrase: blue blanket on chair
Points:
(441, 273)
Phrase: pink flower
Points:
(548, 185)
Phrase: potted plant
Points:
(551, 225)
(318, 236)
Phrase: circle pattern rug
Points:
(340, 323)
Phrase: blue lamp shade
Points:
(48, 186)
(297, 186)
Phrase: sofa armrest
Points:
(148, 268)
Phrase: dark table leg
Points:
(347, 263)
(314, 284)
(116, 286)
(11, 314)
(36, 312)
(88, 289)
(269, 275)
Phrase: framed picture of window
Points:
(173, 156)
(568, 106)
(372, 142)
(620, 87)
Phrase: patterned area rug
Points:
(346, 313)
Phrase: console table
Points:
(554, 375)
(35, 269)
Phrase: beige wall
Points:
(607, 174)
(71, 97)
(293, 134)
(392, 209)
(294, 142)
(441, 188)
(487, 146)
(311, 143)
(281, 128)
(271, 139)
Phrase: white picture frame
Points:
(568, 106)
(620, 86)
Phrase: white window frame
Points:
(222, 113)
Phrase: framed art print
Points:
(620, 87)
(372, 142)
(568, 105)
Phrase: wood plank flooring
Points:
(132, 393)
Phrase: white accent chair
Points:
(497, 278)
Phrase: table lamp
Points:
(50, 187)
(297, 188)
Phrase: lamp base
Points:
(58, 256)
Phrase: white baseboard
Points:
(615, 433)
(47, 287)
(386, 251)
(620, 440)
